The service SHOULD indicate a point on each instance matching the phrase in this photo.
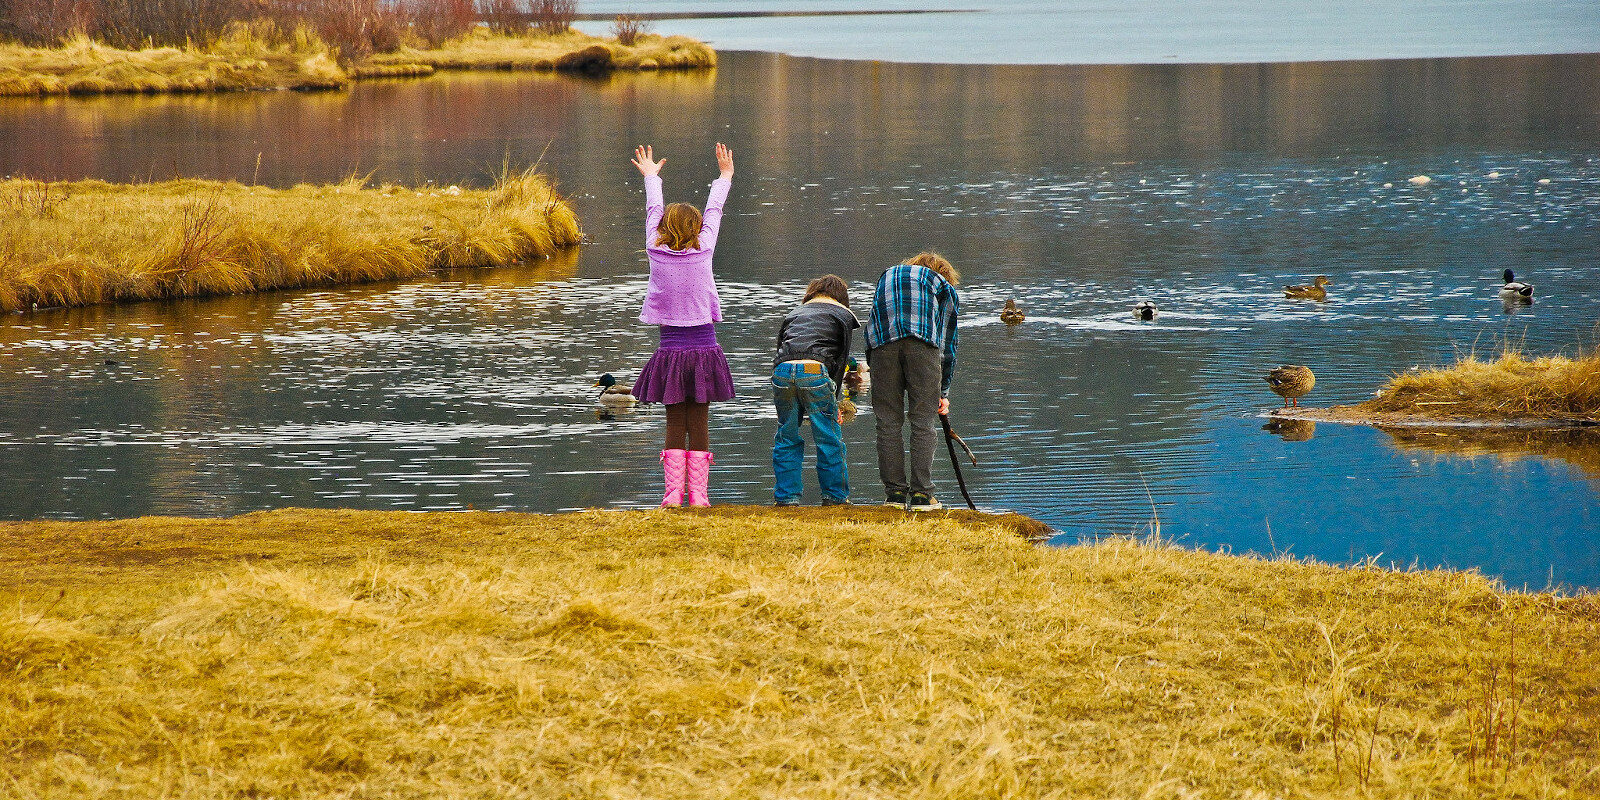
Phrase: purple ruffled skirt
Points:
(688, 367)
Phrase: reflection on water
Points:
(1580, 447)
(1077, 191)
(1291, 430)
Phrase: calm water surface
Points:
(1136, 31)
(1075, 190)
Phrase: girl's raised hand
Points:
(725, 160)
(644, 159)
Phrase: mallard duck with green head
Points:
(1291, 382)
(1515, 291)
(613, 394)
(1312, 292)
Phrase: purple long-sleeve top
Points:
(682, 290)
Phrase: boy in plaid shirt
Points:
(911, 349)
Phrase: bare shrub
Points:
(628, 28)
(39, 21)
(504, 16)
(553, 16)
(358, 28)
(436, 21)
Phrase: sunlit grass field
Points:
(262, 56)
(86, 242)
(754, 653)
(570, 50)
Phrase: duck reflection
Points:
(1291, 430)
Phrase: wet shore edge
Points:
(1357, 415)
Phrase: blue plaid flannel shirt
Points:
(916, 302)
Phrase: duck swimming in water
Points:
(1145, 310)
(857, 376)
(613, 394)
(1011, 315)
(1312, 292)
(1291, 383)
(1515, 291)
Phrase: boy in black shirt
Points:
(807, 380)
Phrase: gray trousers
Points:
(906, 374)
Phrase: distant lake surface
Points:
(1144, 31)
(1076, 190)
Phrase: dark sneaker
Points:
(921, 501)
(828, 501)
(897, 498)
(785, 503)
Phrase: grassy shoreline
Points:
(257, 57)
(86, 242)
(830, 653)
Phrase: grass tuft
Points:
(750, 653)
(1510, 386)
(98, 242)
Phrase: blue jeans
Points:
(806, 389)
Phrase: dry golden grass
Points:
(849, 654)
(568, 51)
(253, 56)
(259, 55)
(86, 242)
(1508, 387)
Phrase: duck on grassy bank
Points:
(1291, 382)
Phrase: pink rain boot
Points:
(699, 476)
(672, 464)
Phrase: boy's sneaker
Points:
(785, 503)
(828, 501)
(897, 498)
(921, 501)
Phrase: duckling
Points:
(1145, 310)
(613, 394)
(1291, 383)
(1011, 315)
(1515, 291)
(857, 376)
(1312, 292)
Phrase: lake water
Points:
(1076, 190)
(1136, 31)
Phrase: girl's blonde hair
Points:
(680, 228)
(938, 264)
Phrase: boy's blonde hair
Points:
(680, 228)
(938, 264)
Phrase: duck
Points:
(1145, 310)
(1291, 382)
(1011, 315)
(857, 376)
(1312, 292)
(613, 394)
(1515, 291)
